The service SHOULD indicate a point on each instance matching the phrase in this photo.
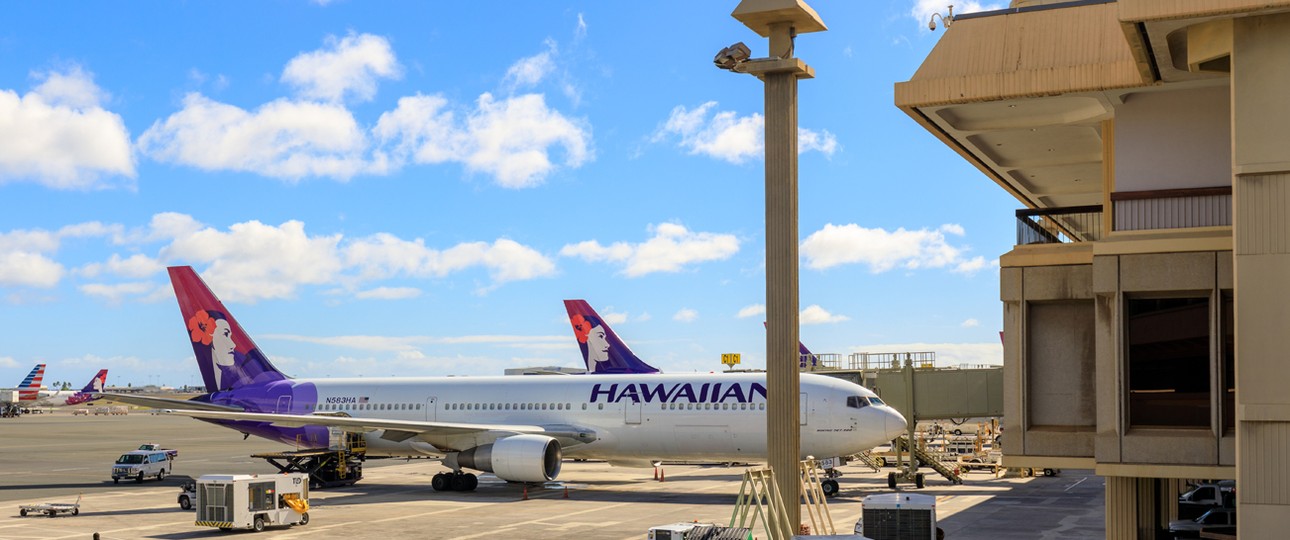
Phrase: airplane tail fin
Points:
(805, 358)
(33, 379)
(89, 393)
(226, 355)
(602, 351)
(29, 390)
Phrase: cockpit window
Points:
(856, 402)
(876, 401)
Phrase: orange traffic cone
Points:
(566, 492)
(662, 475)
(655, 474)
(526, 493)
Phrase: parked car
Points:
(1216, 520)
(1201, 497)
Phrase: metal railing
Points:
(1059, 225)
(1172, 208)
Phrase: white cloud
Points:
(613, 318)
(884, 250)
(686, 315)
(814, 314)
(8, 362)
(349, 66)
(385, 255)
(59, 135)
(970, 323)
(388, 293)
(116, 292)
(511, 139)
(730, 137)
(25, 254)
(25, 269)
(135, 266)
(670, 249)
(281, 139)
(531, 70)
(923, 10)
(752, 311)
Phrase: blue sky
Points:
(391, 188)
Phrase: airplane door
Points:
(284, 405)
(632, 412)
(802, 408)
(432, 413)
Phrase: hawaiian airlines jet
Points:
(516, 427)
(89, 393)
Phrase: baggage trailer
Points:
(51, 509)
(252, 501)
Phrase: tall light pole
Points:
(781, 21)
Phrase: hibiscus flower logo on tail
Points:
(202, 327)
(581, 327)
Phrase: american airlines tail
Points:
(225, 354)
(29, 390)
(602, 351)
(91, 390)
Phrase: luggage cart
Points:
(51, 509)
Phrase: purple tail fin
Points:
(225, 353)
(602, 351)
(96, 386)
(805, 357)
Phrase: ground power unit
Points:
(252, 501)
(898, 516)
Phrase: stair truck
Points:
(252, 501)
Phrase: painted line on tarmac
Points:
(1081, 480)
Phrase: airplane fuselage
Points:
(621, 418)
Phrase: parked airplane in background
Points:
(89, 393)
(28, 389)
(516, 427)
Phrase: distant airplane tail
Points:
(602, 351)
(226, 355)
(29, 390)
(805, 358)
(96, 386)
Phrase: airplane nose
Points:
(895, 425)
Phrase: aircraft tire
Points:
(472, 482)
(830, 487)
(461, 482)
(440, 482)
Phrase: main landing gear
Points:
(454, 481)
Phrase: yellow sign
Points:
(730, 359)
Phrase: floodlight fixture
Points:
(732, 56)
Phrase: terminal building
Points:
(1146, 324)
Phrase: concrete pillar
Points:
(782, 354)
(1260, 84)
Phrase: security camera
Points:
(731, 56)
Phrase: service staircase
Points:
(867, 458)
(926, 459)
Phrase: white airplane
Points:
(518, 427)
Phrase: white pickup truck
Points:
(140, 464)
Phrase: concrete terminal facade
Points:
(1145, 303)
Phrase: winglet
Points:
(602, 351)
(225, 353)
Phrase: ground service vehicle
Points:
(1216, 520)
(187, 495)
(1200, 498)
(252, 501)
(897, 516)
(140, 464)
(51, 509)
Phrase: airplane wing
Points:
(166, 403)
(446, 436)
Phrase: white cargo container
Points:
(252, 501)
(897, 516)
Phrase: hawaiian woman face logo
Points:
(218, 334)
(591, 332)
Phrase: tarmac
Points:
(56, 457)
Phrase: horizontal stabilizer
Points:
(167, 403)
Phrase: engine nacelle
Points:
(519, 458)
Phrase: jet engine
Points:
(518, 458)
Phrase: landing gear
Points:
(830, 487)
(454, 481)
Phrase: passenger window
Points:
(418, 406)
(601, 406)
(761, 406)
(584, 406)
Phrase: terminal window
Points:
(1168, 357)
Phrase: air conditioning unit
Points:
(898, 516)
